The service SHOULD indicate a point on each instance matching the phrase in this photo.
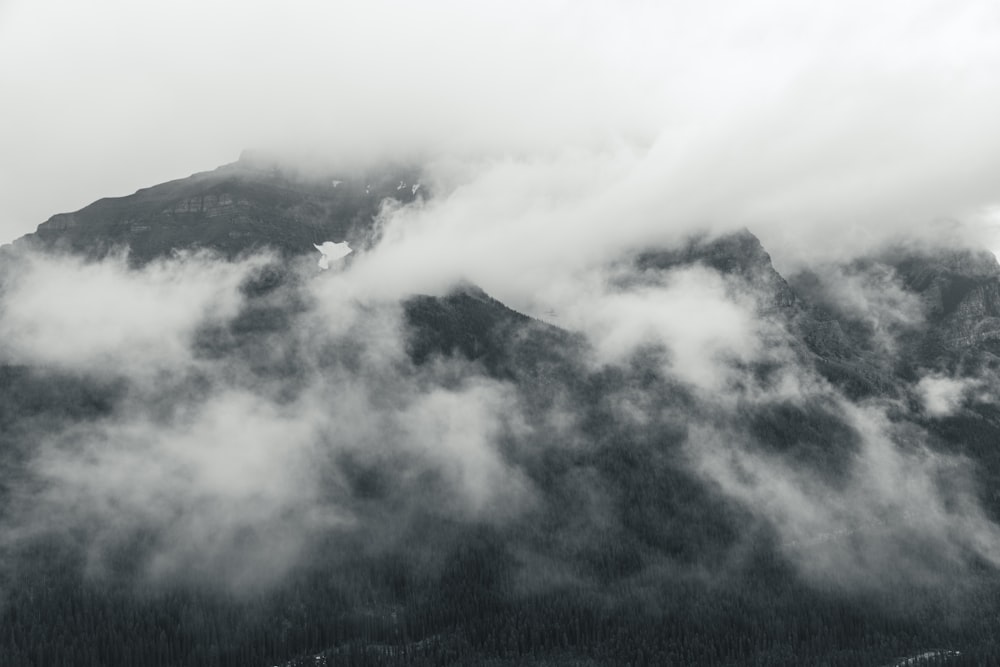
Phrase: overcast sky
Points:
(785, 116)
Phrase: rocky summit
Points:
(250, 204)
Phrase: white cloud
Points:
(703, 327)
(899, 513)
(233, 463)
(943, 395)
(228, 488)
(871, 294)
(71, 313)
(823, 129)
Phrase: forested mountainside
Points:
(229, 457)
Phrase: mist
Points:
(626, 419)
(824, 131)
(227, 458)
(231, 455)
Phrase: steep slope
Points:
(904, 312)
(249, 204)
(474, 486)
(739, 255)
(960, 290)
(820, 334)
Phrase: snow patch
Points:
(331, 252)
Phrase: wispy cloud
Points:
(825, 130)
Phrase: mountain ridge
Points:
(478, 486)
(257, 203)
(232, 209)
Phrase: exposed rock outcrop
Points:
(248, 204)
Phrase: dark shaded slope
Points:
(469, 322)
(961, 293)
(957, 305)
(821, 337)
(236, 208)
(739, 255)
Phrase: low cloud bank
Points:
(253, 425)
(229, 455)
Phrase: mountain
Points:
(236, 208)
(740, 255)
(290, 472)
(959, 290)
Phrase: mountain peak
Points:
(255, 202)
(739, 254)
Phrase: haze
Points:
(823, 128)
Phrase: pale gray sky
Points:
(805, 121)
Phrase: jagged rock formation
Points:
(251, 203)
(960, 290)
(739, 255)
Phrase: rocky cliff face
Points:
(961, 292)
(238, 207)
(739, 255)
(871, 325)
